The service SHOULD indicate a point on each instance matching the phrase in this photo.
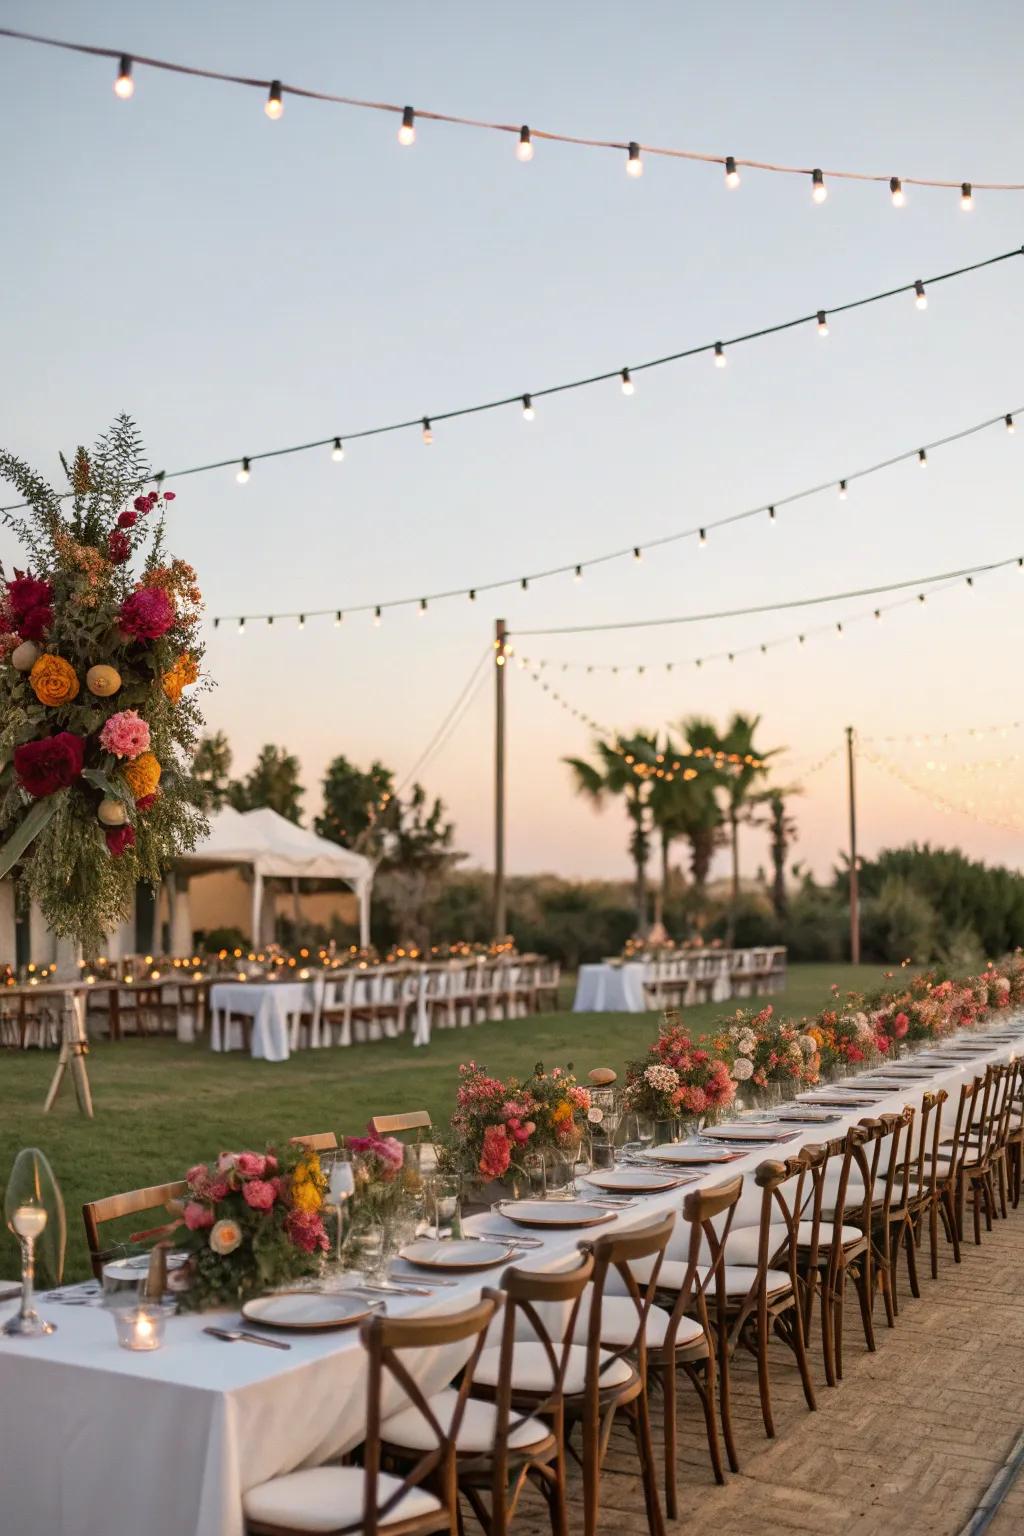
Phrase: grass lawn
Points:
(161, 1106)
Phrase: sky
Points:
(239, 284)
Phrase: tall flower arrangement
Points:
(498, 1121)
(677, 1078)
(99, 647)
(761, 1049)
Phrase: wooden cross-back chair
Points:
(391, 1125)
(134, 1202)
(318, 1141)
(923, 1199)
(891, 1223)
(424, 1497)
(1015, 1140)
(970, 1153)
(846, 1239)
(511, 1437)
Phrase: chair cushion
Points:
(531, 1369)
(620, 1320)
(330, 1498)
(738, 1277)
(476, 1432)
(742, 1246)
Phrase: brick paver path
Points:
(905, 1445)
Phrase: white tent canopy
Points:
(273, 847)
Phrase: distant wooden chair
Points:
(320, 1141)
(391, 1125)
(95, 1213)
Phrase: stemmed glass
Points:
(340, 1189)
(34, 1212)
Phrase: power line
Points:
(524, 136)
(466, 695)
(633, 552)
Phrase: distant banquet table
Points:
(273, 1012)
(679, 980)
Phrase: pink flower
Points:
(306, 1231)
(118, 839)
(141, 504)
(127, 519)
(145, 802)
(495, 1156)
(197, 1217)
(218, 1189)
(170, 495)
(125, 734)
(226, 1161)
(259, 1194)
(900, 1025)
(251, 1164)
(147, 614)
(118, 547)
(25, 593)
(198, 1175)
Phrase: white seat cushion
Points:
(738, 1277)
(476, 1432)
(742, 1245)
(531, 1369)
(330, 1498)
(620, 1321)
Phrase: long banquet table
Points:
(94, 1439)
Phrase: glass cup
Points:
(140, 1327)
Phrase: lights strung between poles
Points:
(635, 552)
(523, 136)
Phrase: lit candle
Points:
(139, 1328)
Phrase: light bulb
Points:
(274, 106)
(896, 189)
(528, 411)
(771, 516)
(243, 472)
(839, 629)
(241, 626)
(878, 615)
(428, 432)
(966, 196)
(524, 582)
(842, 490)
(627, 382)
(524, 149)
(422, 607)
(720, 357)
(577, 574)
(702, 540)
(638, 553)
(819, 191)
(302, 621)
(634, 165)
(407, 132)
(920, 297)
(124, 85)
(732, 175)
(471, 594)
(376, 618)
(822, 323)
(922, 458)
(1010, 425)
(338, 618)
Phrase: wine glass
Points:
(34, 1212)
(341, 1184)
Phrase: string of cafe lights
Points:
(926, 738)
(522, 135)
(635, 553)
(939, 800)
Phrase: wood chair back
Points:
(702, 1208)
(925, 1158)
(319, 1141)
(412, 1120)
(620, 1251)
(95, 1213)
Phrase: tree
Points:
(418, 853)
(274, 782)
(737, 776)
(358, 806)
(782, 831)
(211, 769)
(622, 770)
(688, 807)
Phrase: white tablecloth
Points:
(612, 988)
(272, 1006)
(96, 1441)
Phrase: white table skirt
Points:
(168, 1442)
(612, 988)
(272, 1006)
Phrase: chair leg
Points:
(800, 1350)
(837, 1323)
(828, 1348)
(947, 1211)
(725, 1405)
(911, 1247)
(762, 1374)
(645, 1444)
(933, 1233)
(862, 1285)
(669, 1387)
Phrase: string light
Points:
(771, 516)
(338, 450)
(422, 607)
(920, 297)
(528, 411)
(241, 626)
(407, 132)
(732, 175)
(720, 357)
(1009, 424)
(243, 472)
(634, 164)
(842, 490)
(471, 594)
(302, 621)
(376, 617)
(524, 149)
(338, 618)
(896, 191)
(124, 85)
(428, 431)
(702, 538)
(524, 583)
(966, 196)
(274, 106)
(922, 458)
(819, 191)
(577, 574)
(822, 323)
(628, 386)
(638, 554)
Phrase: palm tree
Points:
(620, 770)
(683, 807)
(782, 830)
(737, 776)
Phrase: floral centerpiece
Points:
(254, 1222)
(382, 1182)
(677, 1079)
(99, 645)
(498, 1123)
(761, 1050)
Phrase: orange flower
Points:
(54, 681)
(142, 775)
(184, 671)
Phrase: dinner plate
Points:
(740, 1132)
(642, 1179)
(454, 1253)
(688, 1152)
(306, 1311)
(809, 1116)
(554, 1213)
(126, 1271)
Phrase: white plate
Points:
(454, 1253)
(739, 1132)
(554, 1213)
(135, 1268)
(306, 1310)
(634, 1178)
(688, 1152)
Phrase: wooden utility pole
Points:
(500, 658)
(854, 902)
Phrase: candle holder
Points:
(34, 1212)
(140, 1328)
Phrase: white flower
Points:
(662, 1078)
(742, 1069)
(595, 1115)
(808, 1045)
(225, 1236)
(1002, 984)
(747, 1043)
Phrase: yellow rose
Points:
(53, 681)
(184, 671)
(142, 776)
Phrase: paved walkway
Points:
(905, 1445)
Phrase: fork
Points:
(238, 1335)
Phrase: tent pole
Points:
(364, 916)
(257, 908)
